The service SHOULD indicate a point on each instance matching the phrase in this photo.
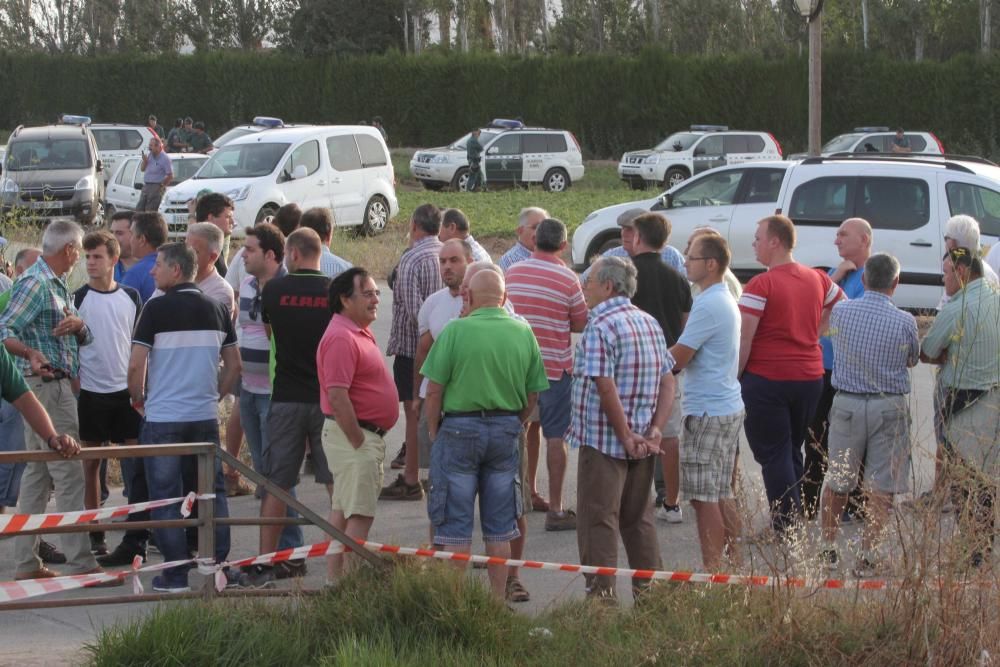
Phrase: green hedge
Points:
(611, 103)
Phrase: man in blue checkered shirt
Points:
(874, 346)
(623, 392)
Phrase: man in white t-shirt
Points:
(110, 311)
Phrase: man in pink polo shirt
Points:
(359, 399)
(547, 294)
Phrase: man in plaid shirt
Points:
(417, 277)
(623, 392)
(43, 330)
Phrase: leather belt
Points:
(483, 413)
(367, 426)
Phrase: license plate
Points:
(179, 219)
(47, 204)
(421, 172)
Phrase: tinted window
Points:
(130, 139)
(185, 169)
(116, 140)
(534, 143)
(893, 203)
(306, 155)
(762, 185)
(677, 142)
(874, 143)
(556, 143)
(45, 154)
(981, 203)
(755, 144)
(736, 143)
(372, 153)
(715, 190)
(509, 144)
(917, 143)
(709, 146)
(343, 152)
(127, 173)
(823, 201)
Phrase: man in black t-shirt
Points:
(296, 310)
(666, 295)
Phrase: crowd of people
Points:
(674, 360)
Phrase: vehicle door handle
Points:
(320, 182)
(718, 219)
(335, 180)
(920, 243)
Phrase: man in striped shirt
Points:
(417, 277)
(547, 294)
(527, 222)
(623, 392)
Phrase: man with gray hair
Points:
(874, 346)
(962, 231)
(527, 222)
(174, 382)
(671, 255)
(547, 294)
(623, 392)
(206, 240)
(42, 328)
(455, 225)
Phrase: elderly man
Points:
(623, 392)
(547, 294)
(360, 403)
(527, 222)
(874, 344)
(780, 362)
(206, 241)
(157, 176)
(708, 351)
(417, 277)
(175, 383)
(42, 327)
(485, 399)
(455, 225)
(671, 255)
(965, 341)
(854, 245)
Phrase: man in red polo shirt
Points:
(359, 399)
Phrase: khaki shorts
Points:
(357, 473)
(708, 456)
(874, 429)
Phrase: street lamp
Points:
(812, 12)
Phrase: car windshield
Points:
(242, 161)
(234, 133)
(185, 169)
(679, 141)
(46, 154)
(485, 136)
(840, 144)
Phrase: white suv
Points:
(877, 140)
(512, 154)
(906, 199)
(345, 168)
(116, 143)
(684, 154)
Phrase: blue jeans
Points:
(253, 414)
(475, 455)
(173, 476)
(11, 440)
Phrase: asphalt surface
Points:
(55, 636)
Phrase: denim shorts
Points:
(475, 455)
(554, 407)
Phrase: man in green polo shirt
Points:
(199, 141)
(484, 371)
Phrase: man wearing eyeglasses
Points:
(263, 252)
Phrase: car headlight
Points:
(440, 159)
(9, 186)
(239, 194)
(652, 159)
(85, 183)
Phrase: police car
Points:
(512, 154)
(258, 124)
(703, 147)
(125, 184)
(878, 140)
(117, 142)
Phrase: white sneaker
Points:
(670, 513)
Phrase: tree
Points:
(320, 27)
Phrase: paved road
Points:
(63, 631)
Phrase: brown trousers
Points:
(613, 500)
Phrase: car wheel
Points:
(265, 211)
(556, 180)
(376, 216)
(432, 185)
(460, 182)
(674, 176)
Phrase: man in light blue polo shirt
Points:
(158, 173)
(708, 349)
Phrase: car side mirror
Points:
(137, 186)
(100, 166)
(299, 171)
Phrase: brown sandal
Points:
(516, 592)
(538, 503)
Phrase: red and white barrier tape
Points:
(15, 523)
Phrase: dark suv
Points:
(52, 172)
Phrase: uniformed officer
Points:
(474, 153)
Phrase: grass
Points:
(430, 615)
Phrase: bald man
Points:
(484, 372)
(854, 245)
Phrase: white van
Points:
(345, 168)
